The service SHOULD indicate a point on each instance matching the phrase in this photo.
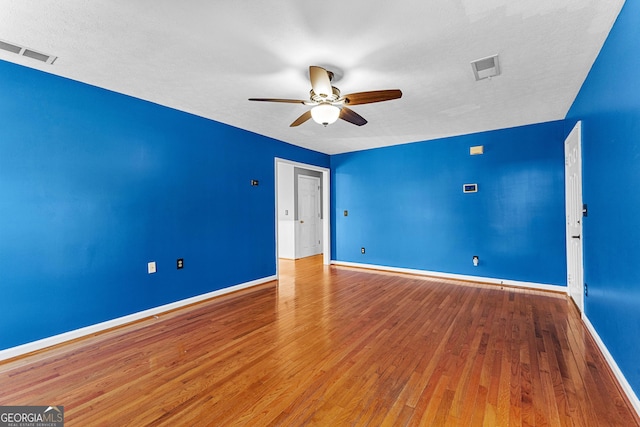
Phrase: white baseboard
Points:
(98, 327)
(493, 281)
(626, 387)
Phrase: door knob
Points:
(575, 237)
(302, 222)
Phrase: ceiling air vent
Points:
(29, 53)
(10, 47)
(485, 68)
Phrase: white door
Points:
(309, 224)
(573, 201)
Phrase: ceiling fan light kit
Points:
(325, 114)
(327, 103)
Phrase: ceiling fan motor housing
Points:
(331, 98)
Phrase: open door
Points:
(574, 214)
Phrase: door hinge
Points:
(586, 290)
(585, 210)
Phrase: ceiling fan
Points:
(327, 103)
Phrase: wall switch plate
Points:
(151, 267)
(286, 211)
(254, 182)
(346, 213)
(180, 263)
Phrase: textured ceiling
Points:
(208, 57)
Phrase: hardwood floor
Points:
(335, 346)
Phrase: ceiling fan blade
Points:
(300, 120)
(320, 81)
(352, 117)
(290, 101)
(372, 96)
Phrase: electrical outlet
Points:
(180, 263)
(361, 250)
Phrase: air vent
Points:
(10, 47)
(29, 53)
(485, 68)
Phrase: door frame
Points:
(326, 206)
(576, 132)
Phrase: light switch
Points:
(151, 267)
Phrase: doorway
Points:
(297, 196)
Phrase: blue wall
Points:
(407, 208)
(94, 184)
(609, 106)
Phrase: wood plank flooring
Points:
(334, 346)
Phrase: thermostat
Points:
(470, 188)
(478, 149)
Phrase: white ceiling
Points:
(208, 57)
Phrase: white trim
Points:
(541, 286)
(109, 324)
(326, 206)
(622, 381)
